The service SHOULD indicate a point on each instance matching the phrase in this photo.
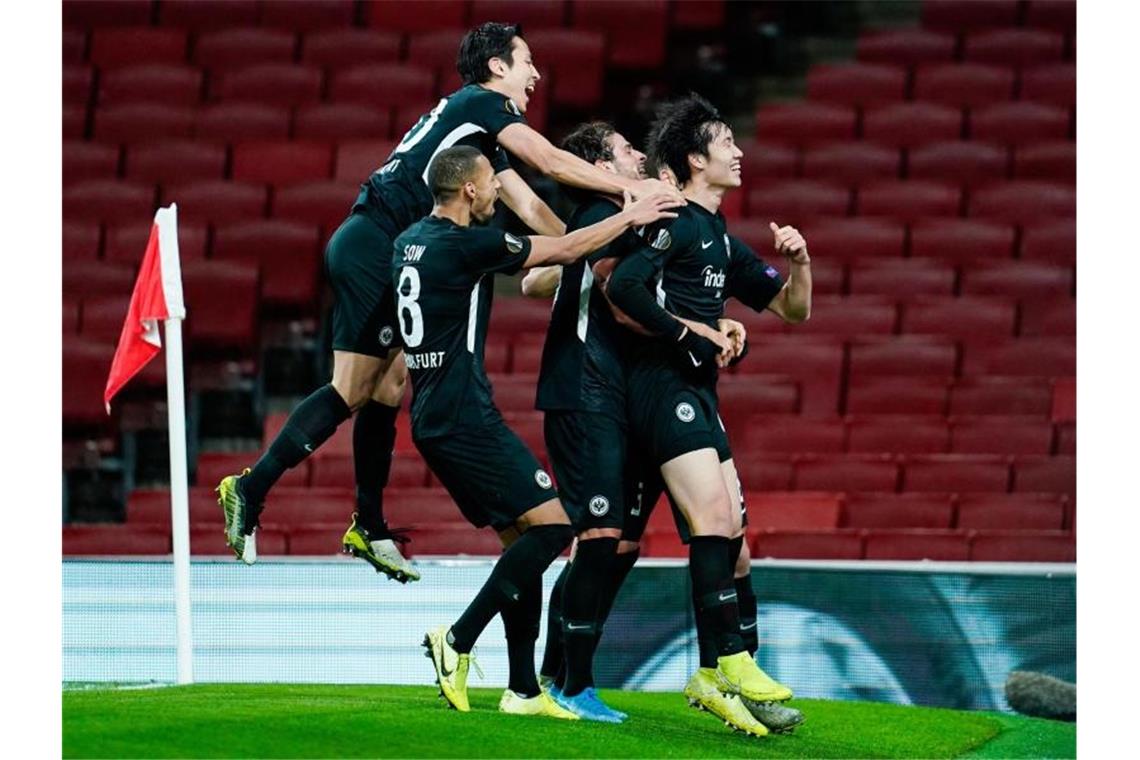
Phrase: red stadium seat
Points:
(80, 241)
(324, 203)
(846, 238)
(497, 354)
(897, 510)
(1014, 47)
(175, 161)
(127, 243)
(530, 14)
(1000, 435)
(103, 317)
(77, 80)
(959, 473)
(1024, 202)
(789, 434)
(424, 506)
(641, 27)
(84, 161)
(852, 472)
(1056, 474)
(1023, 546)
(237, 48)
(1049, 316)
(162, 83)
(1064, 407)
(963, 85)
(1067, 438)
(1052, 14)
(1054, 161)
(698, 14)
(282, 162)
(576, 58)
(435, 50)
(805, 123)
(383, 85)
(316, 539)
(793, 201)
(1011, 511)
(1018, 123)
(528, 427)
(233, 328)
(334, 49)
(910, 124)
(987, 394)
(460, 540)
(308, 14)
(137, 122)
(520, 315)
(758, 472)
(961, 239)
(514, 393)
(96, 13)
(1050, 241)
(956, 15)
(897, 395)
(815, 363)
(1019, 279)
(416, 17)
(964, 317)
(793, 511)
(208, 14)
(856, 84)
(232, 122)
(136, 46)
(967, 163)
(74, 122)
(85, 366)
(217, 202)
(302, 506)
(908, 200)
(213, 466)
(342, 121)
(764, 161)
(848, 316)
(74, 45)
(902, 278)
(337, 471)
(355, 160)
(109, 201)
(115, 540)
(903, 355)
(763, 395)
(850, 163)
(1055, 84)
(905, 46)
(210, 540)
(917, 544)
(282, 84)
(526, 353)
(1025, 356)
(807, 544)
(288, 253)
(152, 506)
(897, 434)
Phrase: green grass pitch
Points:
(310, 721)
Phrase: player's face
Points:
(627, 161)
(722, 167)
(486, 191)
(520, 77)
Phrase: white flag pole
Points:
(167, 220)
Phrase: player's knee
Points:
(553, 537)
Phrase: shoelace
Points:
(471, 660)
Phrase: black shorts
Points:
(669, 417)
(358, 259)
(490, 473)
(587, 452)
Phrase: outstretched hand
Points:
(790, 243)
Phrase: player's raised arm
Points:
(563, 250)
(793, 302)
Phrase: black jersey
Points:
(396, 195)
(443, 305)
(582, 358)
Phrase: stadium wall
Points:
(938, 634)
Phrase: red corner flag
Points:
(157, 296)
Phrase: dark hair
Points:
(679, 129)
(491, 39)
(450, 168)
(590, 141)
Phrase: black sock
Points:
(581, 600)
(623, 563)
(746, 601)
(520, 622)
(521, 563)
(373, 437)
(312, 423)
(710, 567)
(706, 643)
(552, 657)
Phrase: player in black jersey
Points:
(368, 369)
(687, 267)
(443, 295)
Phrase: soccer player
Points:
(369, 373)
(688, 268)
(443, 301)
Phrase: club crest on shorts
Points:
(386, 336)
(685, 412)
(514, 244)
(542, 479)
(599, 506)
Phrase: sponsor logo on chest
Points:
(714, 278)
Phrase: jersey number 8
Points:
(409, 309)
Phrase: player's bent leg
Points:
(696, 483)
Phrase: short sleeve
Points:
(751, 280)
(487, 249)
(494, 111)
(500, 162)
